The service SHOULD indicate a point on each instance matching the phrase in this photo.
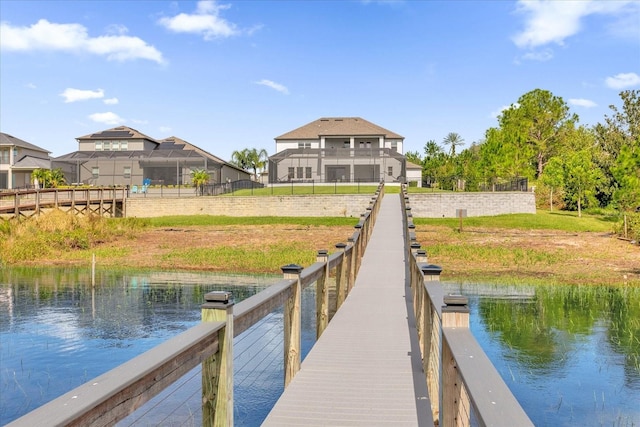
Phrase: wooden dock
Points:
(366, 368)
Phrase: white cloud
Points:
(551, 21)
(542, 55)
(579, 102)
(623, 81)
(495, 114)
(73, 38)
(108, 118)
(111, 101)
(74, 95)
(273, 85)
(206, 20)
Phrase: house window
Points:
(291, 172)
(115, 145)
(98, 145)
(4, 156)
(368, 144)
(127, 172)
(304, 145)
(106, 145)
(299, 171)
(95, 172)
(347, 144)
(394, 146)
(390, 170)
(361, 144)
(307, 172)
(124, 145)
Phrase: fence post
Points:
(322, 294)
(341, 276)
(455, 400)
(217, 370)
(292, 324)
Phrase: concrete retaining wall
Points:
(423, 205)
(339, 205)
(444, 205)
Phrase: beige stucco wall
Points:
(347, 205)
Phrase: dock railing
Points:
(464, 387)
(101, 201)
(111, 397)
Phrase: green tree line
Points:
(571, 166)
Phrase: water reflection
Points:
(571, 355)
(57, 331)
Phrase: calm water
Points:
(570, 355)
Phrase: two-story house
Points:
(338, 149)
(125, 156)
(18, 159)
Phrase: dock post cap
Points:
(323, 252)
(431, 269)
(218, 299)
(422, 252)
(455, 304)
(415, 245)
(291, 269)
(341, 245)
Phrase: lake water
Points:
(570, 355)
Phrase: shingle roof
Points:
(6, 139)
(120, 132)
(28, 163)
(338, 126)
(182, 144)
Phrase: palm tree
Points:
(56, 178)
(41, 176)
(454, 140)
(250, 159)
(258, 160)
(240, 158)
(200, 178)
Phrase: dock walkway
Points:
(365, 369)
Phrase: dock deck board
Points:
(365, 369)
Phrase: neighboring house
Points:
(18, 159)
(338, 149)
(414, 173)
(125, 156)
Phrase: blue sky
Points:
(227, 75)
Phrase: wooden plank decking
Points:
(365, 369)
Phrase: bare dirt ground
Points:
(476, 254)
(541, 255)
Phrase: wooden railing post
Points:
(322, 294)
(431, 348)
(217, 370)
(352, 263)
(16, 209)
(341, 276)
(455, 399)
(292, 324)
